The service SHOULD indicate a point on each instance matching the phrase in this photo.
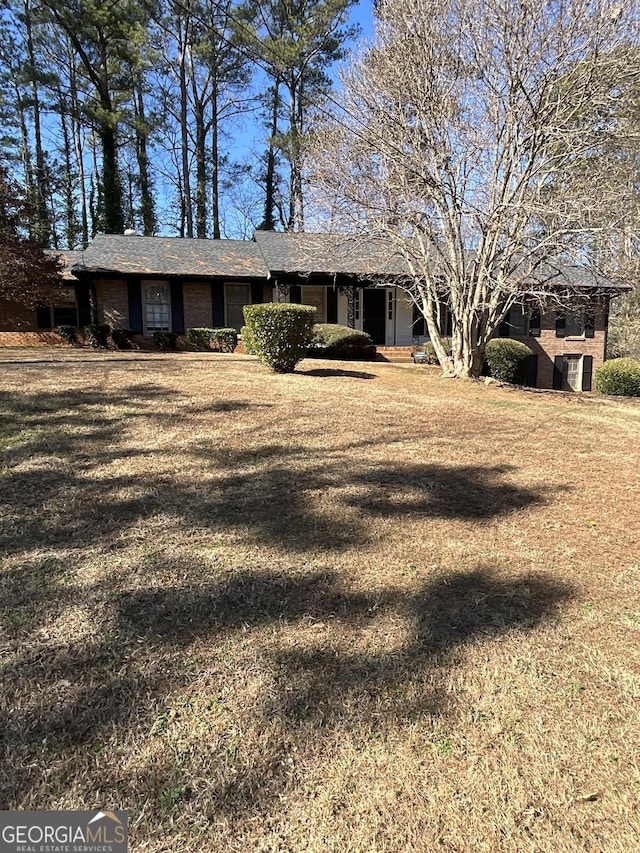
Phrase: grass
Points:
(355, 608)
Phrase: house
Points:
(149, 284)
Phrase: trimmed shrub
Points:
(198, 338)
(223, 340)
(619, 376)
(247, 341)
(507, 360)
(69, 334)
(280, 333)
(331, 340)
(122, 338)
(97, 335)
(219, 340)
(165, 340)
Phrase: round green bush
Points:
(280, 333)
(620, 376)
(198, 338)
(507, 359)
(331, 340)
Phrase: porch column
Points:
(350, 293)
(281, 292)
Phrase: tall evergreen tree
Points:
(106, 40)
(296, 42)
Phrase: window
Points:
(316, 296)
(237, 296)
(65, 311)
(573, 379)
(577, 323)
(357, 296)
(515, 323)
(572, 372)
(156, 307)
(390, 305)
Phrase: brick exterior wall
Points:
(113, 303)
(197, 306)
(547, 346)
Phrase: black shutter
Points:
(532, 371)
(589, 323)
(449, 323)
(177, 308)
(217, 305)
(134, 293)
(43, 316)
(503, 328)
(295, 294)
(558, 363)
(83, 301)
(332, 305)
(535, 323)
(561, 324)
(587, 372)
(256, 293)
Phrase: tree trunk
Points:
(201, 163)
(26, 163)
(71, 228)
(269, 222)
(113, 218)
(215, 166)
(76, 132)
(41, 187)
(184, 130)
(147, 206)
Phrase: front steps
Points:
(395, 355)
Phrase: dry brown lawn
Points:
(358, 608)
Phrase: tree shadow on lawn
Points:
(318, 504)
(63, 703)
(327, 372)
(294, 496)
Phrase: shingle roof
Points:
(328, 253)
(162, 256)
(572, 276)
(70, 257)
(270, 253)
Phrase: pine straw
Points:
(358, 608)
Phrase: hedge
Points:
(280, 333)
(220, 340)
(619, 376)
(507, 359)
(331, 340)
(165, 340)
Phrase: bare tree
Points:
(454, 125)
